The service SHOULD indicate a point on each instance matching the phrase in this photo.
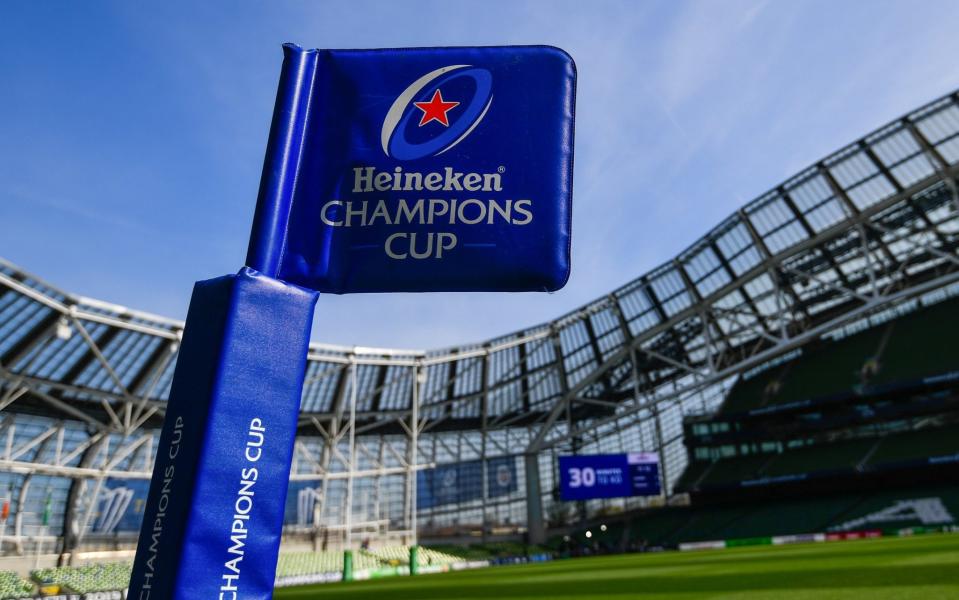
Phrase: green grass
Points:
(924, 567)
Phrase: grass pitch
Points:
(925, 567)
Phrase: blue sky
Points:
(132, 134)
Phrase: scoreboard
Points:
(585, 477)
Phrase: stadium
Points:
(794, 372)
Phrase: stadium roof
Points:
(872, 225)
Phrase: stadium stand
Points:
(854, 405)
(464, 552)
(843, 365)
(294, 564)
(794, 370)
(14, 586)
(889, 511)
(90, 578)
(916, 445)
(838, 436)
(400, 555)
(291, 564)
(810, 458)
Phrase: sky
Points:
(132, 134)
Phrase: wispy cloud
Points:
(142, 128)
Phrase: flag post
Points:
(385, 171)
(418, 380)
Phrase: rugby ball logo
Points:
(443, 120)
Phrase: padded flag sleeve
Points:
(214, 515)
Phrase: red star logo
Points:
(435, 109)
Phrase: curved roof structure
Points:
(865, 229)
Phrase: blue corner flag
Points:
(418, 170)
(422, 169)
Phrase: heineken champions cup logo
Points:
(431, 116)
(447, 121)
